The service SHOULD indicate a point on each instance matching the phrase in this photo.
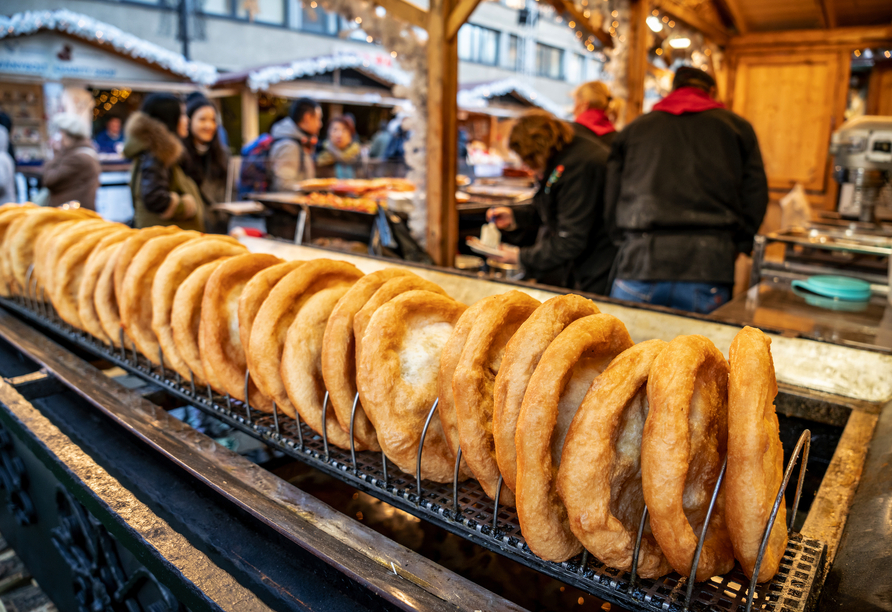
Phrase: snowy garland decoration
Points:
(97, 32)
(265, 77)
(476, 97)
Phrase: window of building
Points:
(575, 68)
(515, 53)
(314, 19)
(549, 61)
(480, 45)
(215, 7)
(268, 11)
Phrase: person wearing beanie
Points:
(162, 192)
(340, 150)
(73, 172)
(206, 160)
(686, 193)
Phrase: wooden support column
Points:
(637, 68)
(442, 133)
(250, 116)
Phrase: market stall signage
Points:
(56, 57)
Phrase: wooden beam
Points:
(459, 15)
(853, 38)
(637, 68)
(733, 9)
(442, 134)
(567, 6)
(828, 13)
(405, 11)
(716, 33)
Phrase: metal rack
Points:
(464, 509)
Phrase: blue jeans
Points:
(701, 298)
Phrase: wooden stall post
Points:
(637, 67)
(250, 116)
(442, 110)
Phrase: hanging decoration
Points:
(252, 8)
(100, 33)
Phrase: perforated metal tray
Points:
(790, 590)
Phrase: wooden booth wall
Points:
(793, 87)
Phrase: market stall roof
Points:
(107, 37)
(720, 19)
(506, 98)
(342, 77)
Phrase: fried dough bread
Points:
(522, 355)
(682, 451)
(397, 378)
(556, 389)
(599, 480)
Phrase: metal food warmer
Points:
(114, 504)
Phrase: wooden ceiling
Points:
(745, 16)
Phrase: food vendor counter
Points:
(94, 469)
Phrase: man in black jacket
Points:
(572, 248)
(686, 192)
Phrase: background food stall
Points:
(61, 61)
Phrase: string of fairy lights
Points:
(104, 101)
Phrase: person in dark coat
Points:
(591, 104)
(162, 193)
(686, 192)
(572, 248)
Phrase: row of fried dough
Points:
(514, 377)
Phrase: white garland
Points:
(476, 97)
(93, 30)
(263, 78)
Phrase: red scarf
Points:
(687, 100)
(596, 120)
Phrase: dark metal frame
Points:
(465, 510)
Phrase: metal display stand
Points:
(465, 510)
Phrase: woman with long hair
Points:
(162, 193)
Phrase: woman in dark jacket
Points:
(572, 248)
(162, 193)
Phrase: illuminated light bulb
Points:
(369, 39)
(359, 20)
(671, 24)
(659, 52)
(857, 53)
(665, 20)
(393, 54)
(655, 12)
(578, 34)
(654, 23)
(615, 24)
(680, 43)
(614, 14)
(572, 24)
(887, 54)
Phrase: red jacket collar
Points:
(687, 100)
(596, 120)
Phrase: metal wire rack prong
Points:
(427, 423)
(803, 446)
(247, 398)
(324, 425)
(692, 576)
(352, 439)
(455, 483)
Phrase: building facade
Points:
(510, 39)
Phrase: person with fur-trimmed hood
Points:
(162, 193)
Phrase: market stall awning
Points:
(505, 98)
(97, 34)
(350, 78)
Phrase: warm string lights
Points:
(104, 101)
